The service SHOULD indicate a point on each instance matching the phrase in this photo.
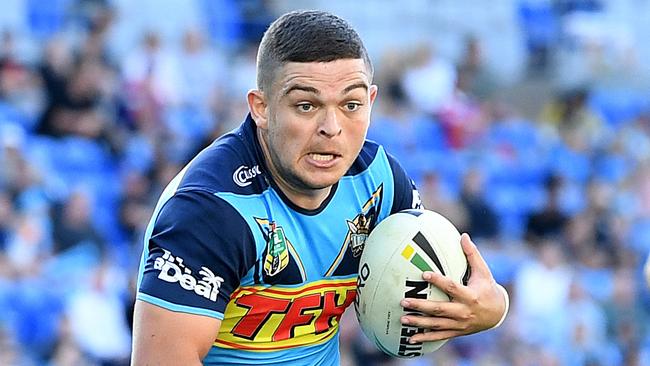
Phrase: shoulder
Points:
(370, 153)
(373, 155)
(377, 164)
(230, 164)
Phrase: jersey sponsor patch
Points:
(262, 318)
(173, 269)
(243, 175)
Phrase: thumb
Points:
(474, 258)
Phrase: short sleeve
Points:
(406, 194)
(199, 249)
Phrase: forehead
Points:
(333, 76)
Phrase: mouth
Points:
(323, 159)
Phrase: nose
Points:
(330, 125)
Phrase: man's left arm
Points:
(480, 305)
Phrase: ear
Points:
(373, 94)
(258, 107)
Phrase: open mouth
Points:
(322, 157)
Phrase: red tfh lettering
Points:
(295, 316)
(260, 309)
(331, 310)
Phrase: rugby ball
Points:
(396, 253)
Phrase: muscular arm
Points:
(187, 243)
(164, 337)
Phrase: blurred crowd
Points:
(558, 202)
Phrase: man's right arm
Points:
(198, 251)
(165, 337)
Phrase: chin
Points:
(319, 181)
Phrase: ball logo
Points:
(244, 174)
(413, 290)
(364, 273)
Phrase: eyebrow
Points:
(304, 88)
(355, 86)
(310, 89)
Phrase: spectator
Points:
(545, 273)
(481, 219)
(99, 307)
(474, 77)
(430, 81)
(550, 222)
(575, 120)
(72, 225)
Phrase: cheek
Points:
(358, 133)
(287, 143)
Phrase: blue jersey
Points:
(225, 242)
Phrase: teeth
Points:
(321, 157)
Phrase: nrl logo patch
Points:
(277, 247)
(359, 228)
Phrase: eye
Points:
(352, 106)
(305, 107)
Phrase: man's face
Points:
(317, 116)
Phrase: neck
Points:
(303, 197)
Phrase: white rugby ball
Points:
(394, 257)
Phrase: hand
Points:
(472, 308)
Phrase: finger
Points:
(432, 323)
(434, 336)
(474, 257)
(453, 289)
(445, 309)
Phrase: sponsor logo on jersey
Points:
(243, 175)
(273, 318)
(172, 269)
(359, 228)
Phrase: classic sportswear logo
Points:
(173, 270)
(244, 174)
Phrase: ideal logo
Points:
(244, 174)
(173, 270)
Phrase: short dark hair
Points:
(307, 36)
